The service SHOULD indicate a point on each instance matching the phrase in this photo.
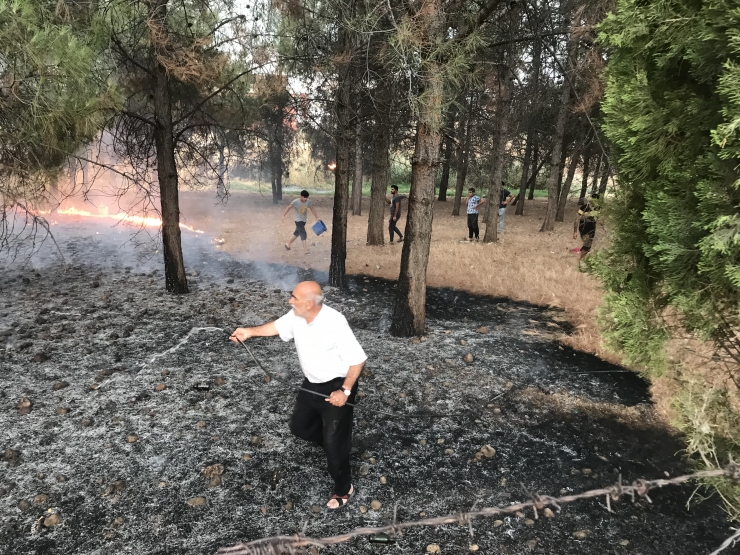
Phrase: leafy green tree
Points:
(673, 111)
(49, 104)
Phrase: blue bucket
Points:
(319, 227)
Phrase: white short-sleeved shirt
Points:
(326, 347)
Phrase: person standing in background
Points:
(474, 202)
(395, 203)
(506, 198)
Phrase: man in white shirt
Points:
(331, 360)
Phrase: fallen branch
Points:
(289, 544)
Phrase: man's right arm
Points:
(265, 330)
(287, 209)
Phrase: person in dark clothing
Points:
(585, 225)
(395, 203)
(473, 202)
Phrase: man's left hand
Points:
(337, 398)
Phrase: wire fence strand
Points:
(279, 545)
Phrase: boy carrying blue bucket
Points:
(300, 207)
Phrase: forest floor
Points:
(525, 265)
(131, 425)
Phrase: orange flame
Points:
(103, 213)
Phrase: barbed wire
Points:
(280, 545)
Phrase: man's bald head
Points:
(306, 299)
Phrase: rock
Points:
(114, 336)
(503, 481)
(87, 422)
(315, 509)
(364, 470)
(256, 441)
(117, 522)
(132, 438)
(60, 385)
(52, 520)
(363, 509)
(24, 505)
(24, 406)
(95, 284)
(213, 470)
(487, 451)
(497, 523)
(247, 457)
(41, 499)
(230, 280)
(201, 424)
(219, 380)
(449, 452)
(531, 544)
(440, 441)
(482, 329)
(468, 358)
(288, 506)
(375, 505)
(433, 548)
(463, 342)
(581, 534)
(160, 387)
(586, 471)
(40, 357)
(423, 442)
(624, 543)
(197, 501)
(548, 513)
(529, 522)
(12, 457)
(519, 514)
(473, 547)
(61, 411)
(497, 411)
(383, 480)
(263, 510)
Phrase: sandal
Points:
(287, 248)
(341, 499)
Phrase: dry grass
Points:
(525, 265)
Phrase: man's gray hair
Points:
(317, 299)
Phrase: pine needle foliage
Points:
(672, 111)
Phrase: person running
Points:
(331, 360)
(300, 206)
(474, 202)
(395, 203)
(585, 224)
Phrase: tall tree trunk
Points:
(584, 178)
(463, 156)
(548, 223)
(565, 189)
(381, 168)
(535, 157)
(357, 181)
(597, 173)
(337, 264)
(174, 264)
(525, 173)
(604, 178)
(502, 116)
(221, 184)
(409, 311)
(275, 152)
(449, 145)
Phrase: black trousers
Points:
(315, 419)
(393, 228)
(473, 226)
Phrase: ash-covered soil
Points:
(140, 441)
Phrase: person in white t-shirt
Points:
(331, 360)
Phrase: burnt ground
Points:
(118, 460)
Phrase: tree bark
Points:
(174, 264)
(449, 145)
(604, 179)
(221, 183)
(337, 264)
(525, 173)
(535, 156)
(357, 181)
(597, 173)
(463, 156)
(381, 169)
(275, 148)
(584, 178)
(565, 189)
(409, 311)
(548, 223)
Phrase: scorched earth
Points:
(131, 425)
